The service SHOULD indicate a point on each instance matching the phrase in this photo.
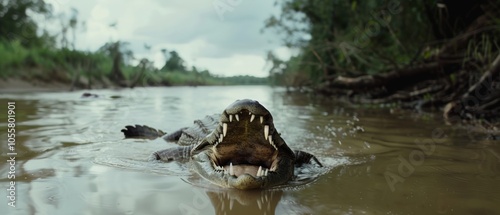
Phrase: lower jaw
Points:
(245, 182)
(203, 165)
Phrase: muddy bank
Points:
(13, 85)
(17, 85)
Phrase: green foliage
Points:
(244, 80)
(12, 54)
(118, 49)
(288, 73)
(350, 38)
(97, 65)
(15, 23)
(193, 78)
(174, 63)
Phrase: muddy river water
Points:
(71, 158)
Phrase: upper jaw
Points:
(228, 119)
(248, 110)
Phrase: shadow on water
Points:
(72, 159)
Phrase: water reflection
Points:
(245, 202)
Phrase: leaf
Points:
(354, 5)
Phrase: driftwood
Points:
(481, 100)
(396, 79)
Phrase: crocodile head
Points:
(244, 151)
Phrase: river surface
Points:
(72, 158)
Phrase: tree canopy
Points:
(174, 62)
(16, 22)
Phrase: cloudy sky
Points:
(222, 36)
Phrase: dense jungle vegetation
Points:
(431, 54)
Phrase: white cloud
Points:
(229, 46)
(236, 65)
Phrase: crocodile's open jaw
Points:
(245, 150)
(245, 145)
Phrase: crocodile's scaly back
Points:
(192, 135)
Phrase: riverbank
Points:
(15, 85)
(30, 80)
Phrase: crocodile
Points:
(239, 148)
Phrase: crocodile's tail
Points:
(142, 131)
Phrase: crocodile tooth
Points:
(266, 131)
(261, 119)
(231, 171)
(273, 168)
(220, 138)
(231, 203)
(259, 171)
(252, 117)
(272, 142)
(230, 118)
(224, 129)
(259, 204)
(237, 117)
(265, 172)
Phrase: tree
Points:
(119, 52)
(143, 66)
(15, 24)
(174, 62)
(350, 37)
(73, 21)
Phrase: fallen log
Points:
(396, 79)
